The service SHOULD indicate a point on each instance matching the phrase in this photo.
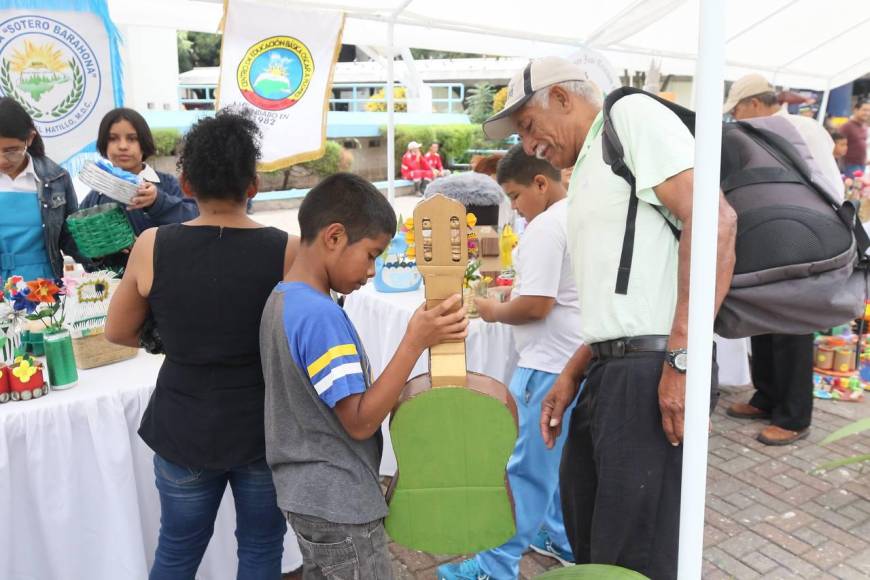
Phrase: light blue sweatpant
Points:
(533, 472)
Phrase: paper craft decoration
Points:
(86, 312)
(396, 269)
(109, 180)
(4, 381)
(453, 432)
(26, 379)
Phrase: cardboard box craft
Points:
(487, 240)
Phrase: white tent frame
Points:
(710, 66)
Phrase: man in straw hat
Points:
(782, 364)
(621, 466)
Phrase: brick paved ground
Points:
(767, 515)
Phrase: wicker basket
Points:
(94, 350)
(101, 230)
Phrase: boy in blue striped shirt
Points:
(323, 411)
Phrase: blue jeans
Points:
(189, 501)
(533, 472)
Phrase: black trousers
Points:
(620, 477)
(782, 373)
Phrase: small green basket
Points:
(101, 230)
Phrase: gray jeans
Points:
(333, 551)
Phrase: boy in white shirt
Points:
(544, 310)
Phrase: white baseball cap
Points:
(540, 73)
(413, 145)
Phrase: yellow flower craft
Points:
(24, 371)
(471, 219)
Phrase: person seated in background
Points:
(416, 169)
(545, 316)
(433, 158)
(125, 139)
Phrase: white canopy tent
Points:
(789, 41)
(783, 39)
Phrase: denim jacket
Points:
(57, 199)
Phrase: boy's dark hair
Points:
(349, 200)
(837, 136)
(15, 123)
(521, 168)
(143, 131)
(861, 102)
(220, 153)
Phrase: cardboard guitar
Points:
(452, 431)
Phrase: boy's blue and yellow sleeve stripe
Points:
(323, 347)
(337, 373)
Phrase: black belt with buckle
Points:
(620, 347)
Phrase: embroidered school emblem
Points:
(51, 70)
(275, 73)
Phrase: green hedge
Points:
(455, 140)
(166, 141)
(329, 163)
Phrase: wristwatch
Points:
(677, 360)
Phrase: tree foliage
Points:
(197, 49)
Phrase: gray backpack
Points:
(801, 263)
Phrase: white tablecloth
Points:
(77, 494)
(381, 320)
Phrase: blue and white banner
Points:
(60, 60)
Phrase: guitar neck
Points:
(441, 236)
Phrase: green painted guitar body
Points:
(452, 446)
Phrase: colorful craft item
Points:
(4, 383)
(507, 242)
(26, 379)
(396, 269)
(452, 431)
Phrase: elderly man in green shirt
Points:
(621, 466)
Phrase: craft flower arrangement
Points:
(45, 300)
(39, 299)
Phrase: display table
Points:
(381, 320)
(77, 494)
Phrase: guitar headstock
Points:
(441, 237)
(441, 240)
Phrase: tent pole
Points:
(709, 85)
(391, 108)
(391, 120)
(824, 105)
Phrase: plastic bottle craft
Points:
(453, 431)
(396, 269)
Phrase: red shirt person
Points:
(855, 131)
(415, 167)
(433, 158)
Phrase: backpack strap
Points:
(848, 212)
(614, 156)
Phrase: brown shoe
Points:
(747, 411)
(773, 435)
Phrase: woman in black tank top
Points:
(205, 282)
